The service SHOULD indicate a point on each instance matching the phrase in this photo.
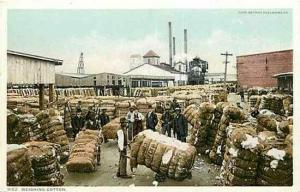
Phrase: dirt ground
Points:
(203, 173)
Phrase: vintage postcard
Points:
(166, 96)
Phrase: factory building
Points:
(257, 70)
(28, 70)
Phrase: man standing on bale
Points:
(180, 125)
(151, 119)
(122, 144)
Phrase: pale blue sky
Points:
(109, 37)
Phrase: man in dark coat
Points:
(180, 125)
(166, 119)
(103, 119)
(151, 119)
(174, 105)
(78, 122)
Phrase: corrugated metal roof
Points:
(55, 61)
(151, 53)
(75, 75)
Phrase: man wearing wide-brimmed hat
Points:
(122, 144)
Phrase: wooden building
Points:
(27, 70)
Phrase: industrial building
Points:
(257, 70)
(25, 70)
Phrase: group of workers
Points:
(172, 120)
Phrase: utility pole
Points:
(226, 62)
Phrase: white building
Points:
(135, 60)
(180, 66)
(151, 58)
(162, 75)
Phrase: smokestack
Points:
(185, 49)
(170, 44)
(174, 48)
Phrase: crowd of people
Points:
(173, 121)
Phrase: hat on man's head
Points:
(78, 110)
(123, 120)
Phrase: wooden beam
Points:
(41, 96)
(51, 93)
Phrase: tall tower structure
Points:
(80, 68)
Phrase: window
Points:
(134, 84)
(144, 83)
(179, 67)
(120, 82)
(95, 83)
(113, 82)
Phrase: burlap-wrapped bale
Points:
(275, 167)
(231, 114)
(122, 108)
(213, 129)
(45, 163)
(109, 130)
(273, 103)
(162, 154)
(19, 171)
(266, 122)
(55, 133)
(85, 154)
(254, 101)
(241, 156)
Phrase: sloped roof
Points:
(164, 67)
(75, 75)
(55, 61)
(151, 53)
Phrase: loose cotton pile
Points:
(162, 154)
(241, 156)
(45, 163)
(85, 153)
(19, 171)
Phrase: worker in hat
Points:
(174, 105)
(180, 125)
(78, 122)
(103, 119)
(151, 119)
(122, 145)
(167, 119)
(130, 120)
(138, 122)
